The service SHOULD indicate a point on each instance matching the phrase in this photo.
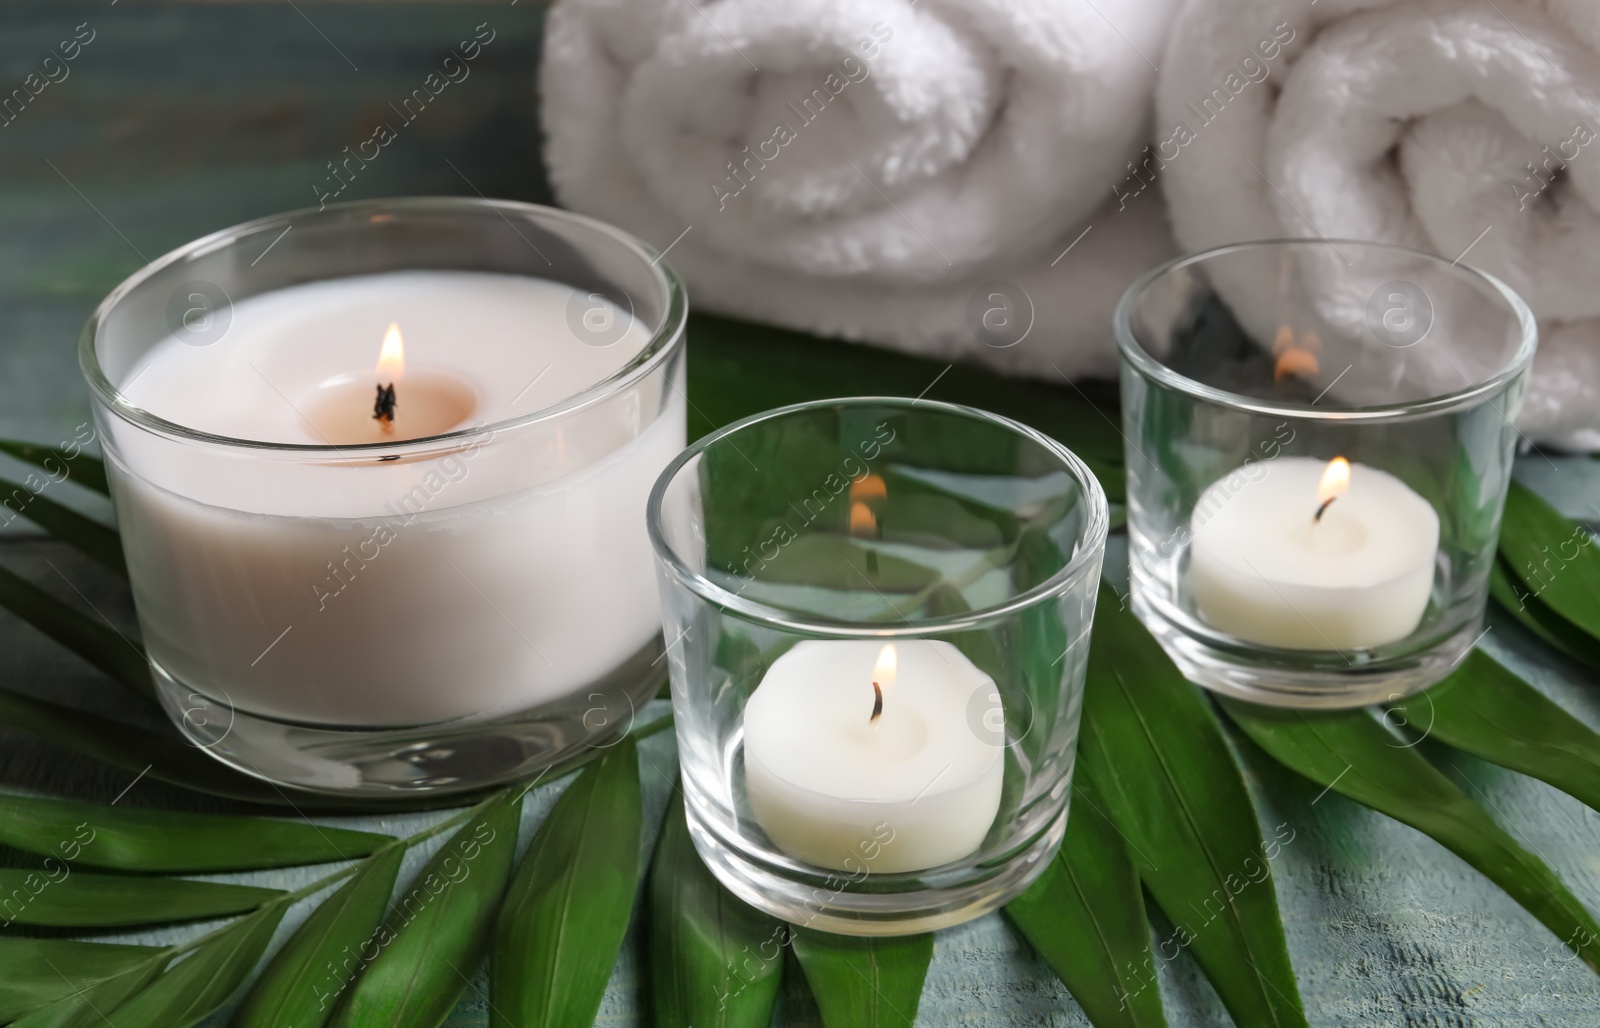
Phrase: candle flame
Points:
(1335, 481)
(1295, 359)
(883, 672)
(862, 523)
(868, 488)
(392, 358)
(1296, 363)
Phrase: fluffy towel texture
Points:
(863, 168)
(1420, 122)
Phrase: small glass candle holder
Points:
(1319, 438)
(877, 616)
(432, 591)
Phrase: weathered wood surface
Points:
(177, 120)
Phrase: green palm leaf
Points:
(1172, 788)
(1555, 559)
(1351, 753)
(86, 1009)
(87, 471)
(202, 981)
(1552, 628)
(1085, 915)
(97, 541)
(163, 757)
(131, 839)
(59, 897)
(715, 962)
(38, 972)
(1485, 710)
(169, 759)
(439, 929)
(305, 978)
(864, 982)
(567, 909)
(796, 367)
(94, 641)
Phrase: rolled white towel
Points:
(865, 168)
(1463, 127)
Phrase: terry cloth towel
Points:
(890, 171)
(1463, 127)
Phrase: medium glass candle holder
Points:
(1319, 440)
(434, 590)
(877, 614)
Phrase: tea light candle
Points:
(1299, 554)
(472, 578)
(864, 757)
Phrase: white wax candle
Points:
(1262, 567)
(914, 788)
(465, 581)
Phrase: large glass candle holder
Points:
(380, 473)
(877, 618)
(1319, 440)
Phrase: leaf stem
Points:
(291, 898)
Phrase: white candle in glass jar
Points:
(472, 578)
(916, 786)
(1263, 566)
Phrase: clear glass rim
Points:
(1151, 367)
(1093, 539)
(666, 340)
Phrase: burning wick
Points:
(1335, 481)
(391, 365)
(383, 406)
(884, 671)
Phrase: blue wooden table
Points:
(179, 119)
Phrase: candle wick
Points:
(877, 703)
(383, 407)
(1317, 518)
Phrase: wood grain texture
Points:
(181, 119)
